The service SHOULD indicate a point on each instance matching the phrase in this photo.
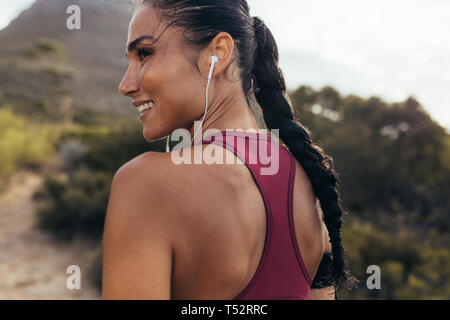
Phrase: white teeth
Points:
(146, 106)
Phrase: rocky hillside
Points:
(95, 53)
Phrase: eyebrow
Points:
(133, 44)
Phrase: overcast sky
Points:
(388, 48)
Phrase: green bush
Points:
(23, 143)
(76, 207)
(46, 47)
(393, 162)
(411, 268)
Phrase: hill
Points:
(95, 53)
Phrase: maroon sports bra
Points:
(281, 273)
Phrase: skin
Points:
(166, 235)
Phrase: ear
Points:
(221, 46)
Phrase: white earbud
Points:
(214, 60)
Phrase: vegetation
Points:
(38, 83)
(393, 161)
(24, 144)
(411, 267)
(394, 165)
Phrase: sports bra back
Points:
(281, 273)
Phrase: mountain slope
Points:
(95, 53)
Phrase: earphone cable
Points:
(206, 109)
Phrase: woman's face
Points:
(161, 73)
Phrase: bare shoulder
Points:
(179, 193)
(142, 182)
(137, 238)
(156, 216)
(146, 163)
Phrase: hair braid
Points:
(270, 92)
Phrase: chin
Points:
(150, 136)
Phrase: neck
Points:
(226, 112)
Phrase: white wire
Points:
(206, 110)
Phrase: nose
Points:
(129, 84)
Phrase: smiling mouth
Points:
(146, 106)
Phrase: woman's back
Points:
(223, 228)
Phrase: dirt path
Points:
(32, 265)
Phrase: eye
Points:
(144, 53)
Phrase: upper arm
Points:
(137, 247)
(328, 292)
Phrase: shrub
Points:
(411, 268)
(23, 143)
(76, 207)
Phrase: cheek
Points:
(155, 80)
(176, 88)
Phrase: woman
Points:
(201, 231)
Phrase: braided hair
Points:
(257, 58)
